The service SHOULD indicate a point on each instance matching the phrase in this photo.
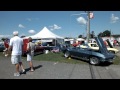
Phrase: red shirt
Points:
(6, 44)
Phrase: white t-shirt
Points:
(16, 43)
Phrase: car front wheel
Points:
(67, 54)
(94, 61)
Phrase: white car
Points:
(94, 46)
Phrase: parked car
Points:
(1, 47)
(112, 49)
(95, 57)
(94, 46)
(38, 50)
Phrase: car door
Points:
(85, 53)
(75, 52)
(81, 52)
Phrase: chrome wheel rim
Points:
(94, 61)
(66, 54)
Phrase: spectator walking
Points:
(30, 54)
(16, 47)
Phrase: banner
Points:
(91, 15)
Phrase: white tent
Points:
(80, 39)
(45, 34)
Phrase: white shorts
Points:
(30, 57)
(16, 59)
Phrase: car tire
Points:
(46, 51)
(67, 54)
(94, 61)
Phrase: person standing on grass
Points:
(30, 54)
(15, 45)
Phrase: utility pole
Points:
(110, 34)
(88, 26)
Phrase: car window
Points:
(86, 45)
(94, 45)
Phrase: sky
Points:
(62, 23)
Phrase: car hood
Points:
(109, 56)
(101, 45)
(109, 44)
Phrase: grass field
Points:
(59, 57)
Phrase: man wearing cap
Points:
(16, 47)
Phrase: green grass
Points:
(59, 57)
(117, 60)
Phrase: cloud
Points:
(31, 31)
(29, 19)
(81, 20)
(22, 34)
(114, 19)
(5, 36)
(54, 27)
(21, 26)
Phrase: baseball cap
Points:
(15, 33)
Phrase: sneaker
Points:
(6, 55)
(4, 50)
(17, 74)
(32, 70)
(23, 71)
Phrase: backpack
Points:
(31, 47)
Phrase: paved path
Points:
(55, 70)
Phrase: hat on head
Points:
(15, 33)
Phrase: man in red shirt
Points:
(6, 44)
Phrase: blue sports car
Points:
(94, 57)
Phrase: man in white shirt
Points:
(16, 47)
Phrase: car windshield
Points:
(94, 45)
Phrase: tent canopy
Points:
(80, 39)
(45, 34)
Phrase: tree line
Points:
(106, 33)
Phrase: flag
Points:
(91, 15)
